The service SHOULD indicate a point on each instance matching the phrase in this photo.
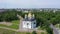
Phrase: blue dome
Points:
(27, 19)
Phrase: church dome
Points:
(30, 17)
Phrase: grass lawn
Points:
(4, 31)
(15, 24)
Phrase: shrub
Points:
(42, 32)
(27, 33)
(34, 32)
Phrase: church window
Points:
(27, 23)
(34, 22)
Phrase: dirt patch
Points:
(6, 23)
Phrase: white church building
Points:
(29, 21)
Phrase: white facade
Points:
(29, 24)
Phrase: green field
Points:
(4, 31)
(15, 24)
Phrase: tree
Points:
(49, 30)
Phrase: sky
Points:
(29, 3)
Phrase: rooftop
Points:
(27, 19)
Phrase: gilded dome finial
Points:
(29, 15)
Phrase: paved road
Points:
(55, 30)
(59, 31)
(20, 25)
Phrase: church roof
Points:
(27, 19)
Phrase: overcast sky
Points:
(29, 3)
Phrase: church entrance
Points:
(27, 25)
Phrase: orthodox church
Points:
(29, 21)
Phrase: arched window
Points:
(34, 23)
(27, 23)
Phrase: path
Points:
(20, 24)
(55, 30)
(9, 28)
(6, 23)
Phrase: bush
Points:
(27, 33)
(49, 30)
(34, 32)
(42, 32)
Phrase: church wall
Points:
(30, 24)
(25, 24)
(33, 24)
